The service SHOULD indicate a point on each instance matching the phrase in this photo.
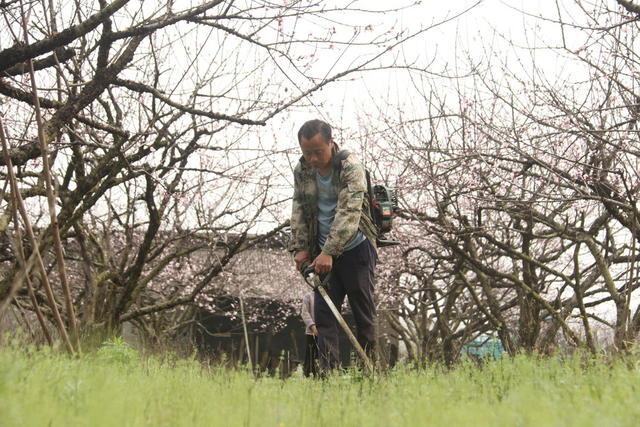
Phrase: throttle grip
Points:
(306, 269)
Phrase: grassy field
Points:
(117, 387)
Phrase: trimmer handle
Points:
(306, 269)
(309, 274)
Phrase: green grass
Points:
(116, 387)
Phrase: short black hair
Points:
(314, 127)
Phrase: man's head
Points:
(316, 144)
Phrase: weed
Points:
(117, 386)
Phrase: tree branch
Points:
(62, 56)
(142, 88)
(629, 6)
(20, 53)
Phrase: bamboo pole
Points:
(19, 203)
(51, 199)
(246, 333)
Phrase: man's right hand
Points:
(301, 257)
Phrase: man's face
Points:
(317, 152)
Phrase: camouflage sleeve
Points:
(349, 209)
(299, 228)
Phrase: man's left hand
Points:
(322, 264)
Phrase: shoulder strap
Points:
(337, 162)
(338, 158)
(337, 166)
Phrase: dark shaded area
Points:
(274, 350)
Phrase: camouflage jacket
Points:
(352, 212)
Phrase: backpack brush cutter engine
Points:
(384, 204)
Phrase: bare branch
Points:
(20, 53)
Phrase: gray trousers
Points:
(352, 275)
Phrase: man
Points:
(332, 228)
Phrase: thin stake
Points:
(51, 199)
(244, 327)
(17, 197)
